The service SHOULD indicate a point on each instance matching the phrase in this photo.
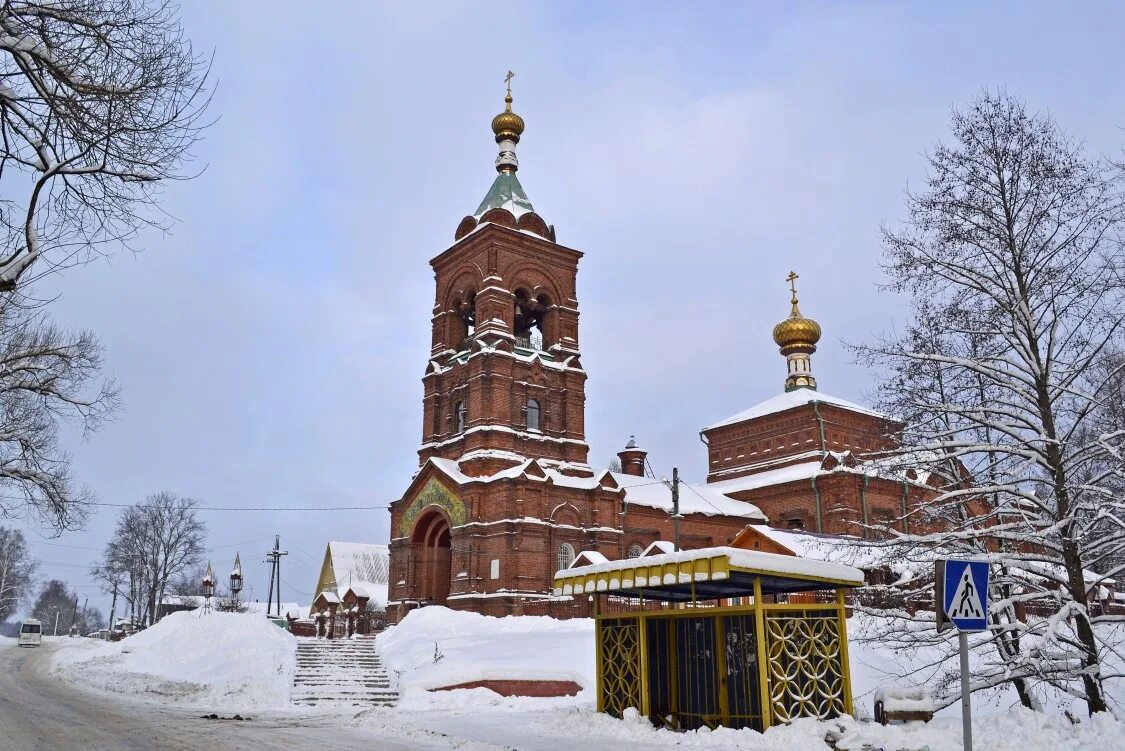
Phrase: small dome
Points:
(796, 331)
(508, 126)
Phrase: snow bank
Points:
(476, 647)
(512, 723)
(221, 661)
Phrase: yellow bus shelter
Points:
(719, 636)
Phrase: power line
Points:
(61, 545)
(254, 508)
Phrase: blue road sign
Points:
(965, 594)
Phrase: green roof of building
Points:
(506, 193)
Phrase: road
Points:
(39, 713)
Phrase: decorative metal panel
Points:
(806, 678)
(620, 661)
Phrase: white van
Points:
(31, 633)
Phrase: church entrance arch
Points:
(433, 560)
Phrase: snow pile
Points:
(473, 647)
(515, 723)
(918, 699)
(221, 661)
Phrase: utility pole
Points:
(112, 614)
(273, 558)
(676, 507)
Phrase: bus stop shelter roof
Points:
(704, 574)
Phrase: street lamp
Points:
(236, 578)
(208, 588)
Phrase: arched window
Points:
(565, 557)
(634, 551)
(532, 414)
(459, 413)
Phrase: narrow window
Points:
(459, 413)
(634, 551)
(532, 414)
(565, 557)
(796, 523)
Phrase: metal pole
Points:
(676, 507)
(57, 612)
(966, 707)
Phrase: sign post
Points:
(961, 602)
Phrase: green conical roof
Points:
(506, 193)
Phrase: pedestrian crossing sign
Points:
(961, 595)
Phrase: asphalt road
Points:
(40, 713)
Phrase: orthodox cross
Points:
(508, 80)
(792, 279)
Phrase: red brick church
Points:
(504, 495)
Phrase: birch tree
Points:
(17, 570)
(1012, 254)
(100, 104)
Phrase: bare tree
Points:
(100, 103)
(1013, 255)
(155, 542)
(56, 606)
(17, 569)
(47, 375)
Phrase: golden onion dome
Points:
(796, 330)
(508, 126)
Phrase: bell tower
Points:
(505, 382)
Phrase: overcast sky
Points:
(271, 348)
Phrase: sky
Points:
(271, 347)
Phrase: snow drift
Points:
(473, 647)
(220, 661)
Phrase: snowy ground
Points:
(474, 647)
(233, 661)
(243, 663)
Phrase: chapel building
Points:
(504, 495)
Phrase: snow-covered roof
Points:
(359, 561)
(505, 193)
(694, 499)
(712, 572)
(361, 566)
(658, 547)
(639, 491)
(329, 596)
(789, 400)
(587, 557)
(779, 476)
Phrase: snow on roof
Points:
(328, 596)
(359, 561)
(639, 491)
(789, 400)
(694, 499)
(747, 559)
(779, 476)
(588, 557)
(658, 547)
(505, 193)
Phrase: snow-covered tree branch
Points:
(1008, 380)
(100, 103)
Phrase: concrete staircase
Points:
(341, 672)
